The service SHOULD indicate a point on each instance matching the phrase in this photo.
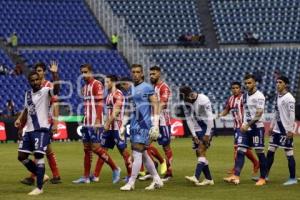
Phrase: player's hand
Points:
(18, 123)
(244, 128)
(154, 133)
(290, 134)
(20, 134)
(196, 140)
(53, 66)
(54, 128)
(106, 127)
(122, 132)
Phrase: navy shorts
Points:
(35, 142)
(200, 135)
(164, 138)
(90, 136)
(281, 140)
(252, 138)
(111, 138)
(139, 136)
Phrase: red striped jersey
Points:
(235, 105)
(114, 99)
(163, 93)
(93, 102)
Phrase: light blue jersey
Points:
(140, 123)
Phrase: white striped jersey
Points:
(284, 116)
(114, 99)
(163, 94)
(235, 105)
(251, 104)
(37, 105)
(93, 102)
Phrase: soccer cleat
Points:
(116, 175)
(192, 179)
(232, 179)
(35, 192)
(291, 181)
(28, 181)
(127, 187)
(142, 173)
(46, 178)
(94, 178)
(206, 182)
(82, 180)
(166, 178)
(55, 180)
(146, 177)
(261, 182)
(163, 167)
(156, 184)
(256, 178)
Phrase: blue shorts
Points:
(164, 138)
(35, 142)
(253, 138)
(200, 135)
(90, 136)
(111, 138)
(281, 140)
(237, 133)
(139, 136)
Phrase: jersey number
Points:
(282, 139)
(255, 140)
(36, 143)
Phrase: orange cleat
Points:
(261, 182)
(232, 179)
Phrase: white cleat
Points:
(192, 179)
(35, 192)
(156, 184)
(146, 177)
(127, 187)
(205, 182)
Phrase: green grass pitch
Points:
(220, 156)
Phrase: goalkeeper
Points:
(199, 118)
(142, 129)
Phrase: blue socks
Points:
(30, 165)
(262, 164)
(239, 163)
(206, 172)
(292, 166)
(270, 160)
(199, 169)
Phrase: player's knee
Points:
(272, 149)
(242, 149)
(38, 156)
(289, 153)
(40, 162)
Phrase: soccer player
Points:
(163, 93)
(200, 122)
(40, 68)
(93, 125)
(234, 105)
(111, 136)
(142, 129)
(252, 132)
(36, 137)
(282, 128)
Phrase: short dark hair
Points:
(185, 91)
(236, 83)
(137, 66)
(284, 79)
(113, 78)
(248, 76)
(41, 65)
(32, 73)
(88, 66)
(155, 68)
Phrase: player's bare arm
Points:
(154, 131)
(54, 71)
(115, 113)
(21, 120)
(258, 114)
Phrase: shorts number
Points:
(255, 140)
(36, 143)
(282, 139)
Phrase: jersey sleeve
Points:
(164, 94)
(291, 111)
(260, 104)
(25, 101)
(209, 117)
(118, 99)
(149, 90)
(98, 91)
